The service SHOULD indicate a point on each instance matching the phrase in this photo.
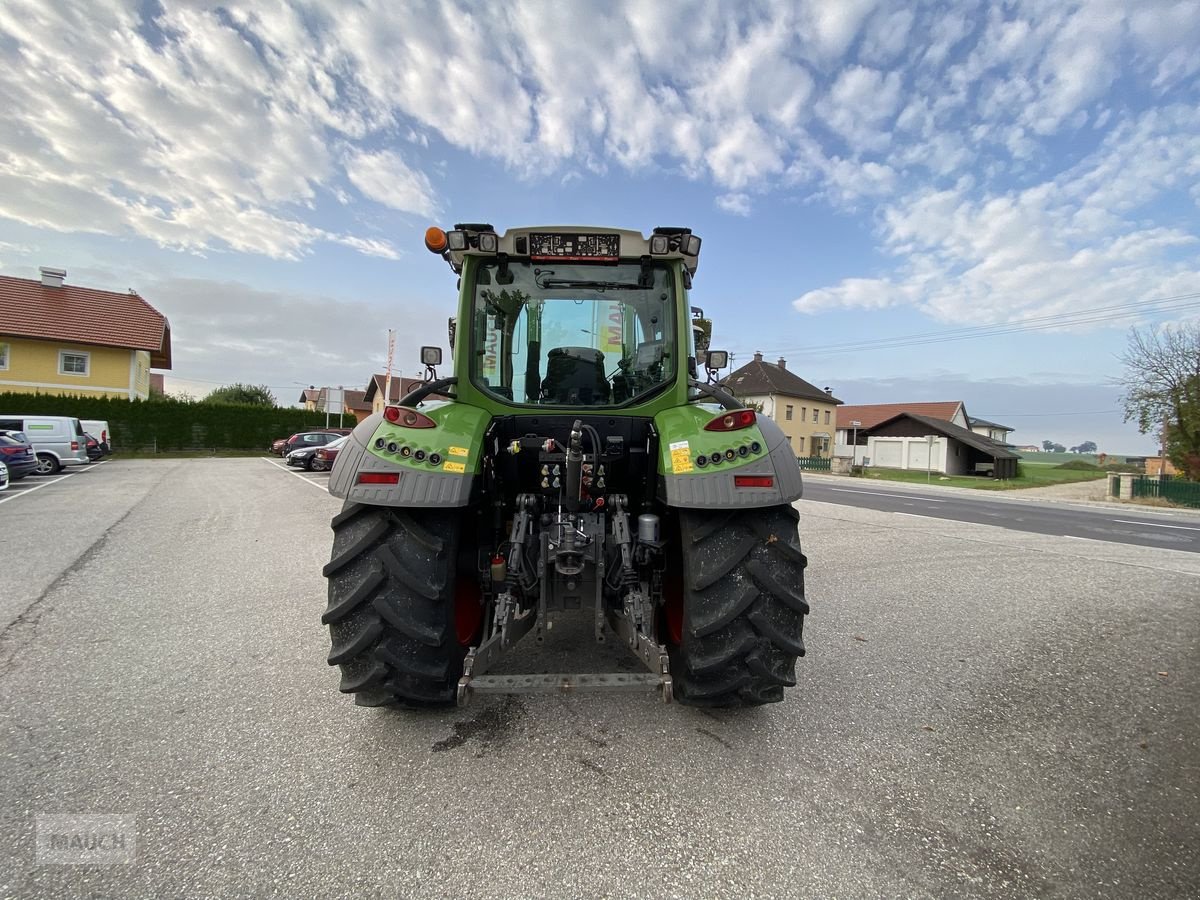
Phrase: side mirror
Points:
(716, 359)
(431, 356)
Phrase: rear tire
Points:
(391, 613)
(743, 606)
(48, 464)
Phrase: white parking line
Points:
(917, 516)
(24, 490)
(1157, 525)
(19, 490)
(881, 494)
(300, 475)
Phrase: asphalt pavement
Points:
(983, 713)
(1124, 525)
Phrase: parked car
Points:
(3, 476)
(324, 458)
(312, 439)
(99, 429)
(278, 444)
(93, 446)
(302, 457)
(17, 454)
(57, 440)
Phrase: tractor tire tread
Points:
(391, 605)
(744, 606)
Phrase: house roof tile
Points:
(870, 415)
(986, 424)
(79, 315)
(400, 387)
(759, 377)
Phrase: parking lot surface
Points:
(982, 713)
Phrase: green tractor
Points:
(575, 464)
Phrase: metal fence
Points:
(814, 463)
(1164, 487)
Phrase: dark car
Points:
(303, 457)
(94, 450)
(325, 456)
(18, 454)
(310, 439)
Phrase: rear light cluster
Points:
(407, 418)
(12, 451)
(734, 420)
(717, 457)
(406, 452)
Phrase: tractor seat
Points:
(575, 377)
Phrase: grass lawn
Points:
(1032, 475)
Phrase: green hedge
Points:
(167, 423)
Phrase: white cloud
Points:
(735, 204)
(1076, 242)
(859, 105)
(211, 129)
(383, 176)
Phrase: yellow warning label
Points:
(681, 457)
(453, 467)
(458, 451)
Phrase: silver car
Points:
(57, 440)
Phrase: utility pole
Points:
(387, 378)
(929, 461)
(854, 447)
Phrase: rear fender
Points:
(445, 475)
(684, 482)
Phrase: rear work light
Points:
(378, 477)
(732, 421)
(408, 418)
(754, 481)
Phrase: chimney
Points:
(758, 357)
(829, 391)
(782, 363)
(52, 277)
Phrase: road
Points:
(1175, 532)
(982, 713)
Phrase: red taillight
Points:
(378, 477)
(734, 420)
(12, 451)
(408, 418)
(74, 445)
(754, 481)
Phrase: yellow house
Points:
(63, 339)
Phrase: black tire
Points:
(391, 612)
(48, 464)
(308, 464)
(743, 606)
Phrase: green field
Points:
(1032, 475)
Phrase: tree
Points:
(243, 395)
(1161, 389)
(1085, 447)
(1052, 447)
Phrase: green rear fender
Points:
(431, 466)
(700, 469)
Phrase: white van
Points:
(98, 429)
(57, 440)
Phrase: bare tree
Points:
(1161, 388)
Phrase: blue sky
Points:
(859, 171)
